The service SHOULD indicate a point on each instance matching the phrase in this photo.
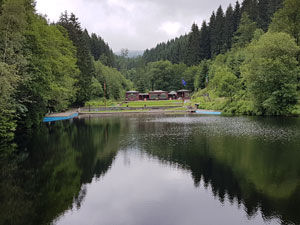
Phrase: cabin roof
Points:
(157, 91)
(173, 93)
(183, 90)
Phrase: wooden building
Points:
(184, 94)
(158, 95)
(144, 96)
(132, 96)
(172, 95)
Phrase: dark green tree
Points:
(204, 42)
(264, 17)
(251, 8)
(228, 28)
(217, 32)
(236, 16)
(84, 58)
(245, 32)
(193, 56)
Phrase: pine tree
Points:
(245, 32)
(217, 32)
(212, 33)
(273, 6)
(251, 8)
(193, 48)
(204, 42)
(84, 58)
(264, 17)
(236, 16)
(228, 28)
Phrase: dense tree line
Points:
(216, 36)
(244, 60)
(48, 67)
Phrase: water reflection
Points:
(62, 157)
(157, 170)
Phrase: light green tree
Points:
(270, 72)
(225, 83)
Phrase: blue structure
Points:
(208, 112)
(52, 119)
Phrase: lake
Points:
(157, 170)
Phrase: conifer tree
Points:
(84, 58)
(204, 42)
(245, 32)
(193, 48)
(228, 28)
(236, 16)
(217, 32)
(264, 17)
(251, 8)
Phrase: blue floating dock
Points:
(60, 116)
(203, 112)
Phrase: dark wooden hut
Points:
(132, 96)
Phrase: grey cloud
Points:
(133, 24)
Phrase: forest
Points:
(244, 60)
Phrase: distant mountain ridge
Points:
(132, 53)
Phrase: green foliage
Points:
(201, 78)
(225, 83)
(113, 82)
(270, 72)
(13, 23)
(84, 57)
(287, 19)
(100, 50)
(52, 71)
(8, 83)
(245, 32)
(97, 90)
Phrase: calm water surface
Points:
(158, 170)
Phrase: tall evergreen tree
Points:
(228, 28)
(245, 32)
(251, 8)
(193, 48)
(273, 6)
(84, 58)
(236, 16)
(204, 42)
(217, 32)
(264, 17)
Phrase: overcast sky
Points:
(134, 24)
